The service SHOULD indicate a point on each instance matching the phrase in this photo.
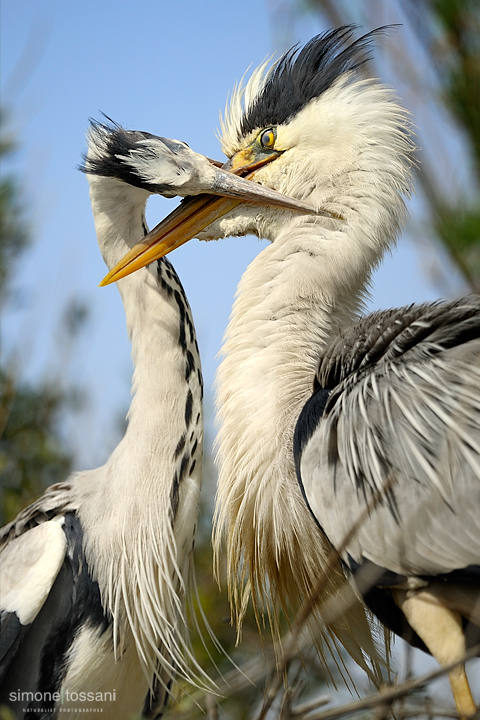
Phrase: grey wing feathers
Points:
(384, 335)
(402, 417)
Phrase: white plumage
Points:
(95, 574)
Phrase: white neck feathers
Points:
(139, 510)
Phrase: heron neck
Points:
(147, 492)
(293, 297)
(165, 355)
(157, 317)
(290, 301)
(119, 216)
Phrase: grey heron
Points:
(94, 574)
(379, 417)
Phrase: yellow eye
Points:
(267, 138)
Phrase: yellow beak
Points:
(196, 213)
(189, 218)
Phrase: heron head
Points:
(309, 127)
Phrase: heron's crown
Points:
(275, 94)
(124, 154)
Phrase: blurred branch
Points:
(387, 695)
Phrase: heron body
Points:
(388, 448)
(95, 573)
(412, 427)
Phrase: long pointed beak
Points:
(196, 213)
(189, 218)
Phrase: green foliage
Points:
(459, 230)
(13, 232)
(31, 452)
(458, 227)
(459, 21)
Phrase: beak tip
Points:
(107, 280)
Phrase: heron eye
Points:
(267, 138)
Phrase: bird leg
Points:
(441, 630)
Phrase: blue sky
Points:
(164, 67)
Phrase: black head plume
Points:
(304, 74)
(112, 146)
